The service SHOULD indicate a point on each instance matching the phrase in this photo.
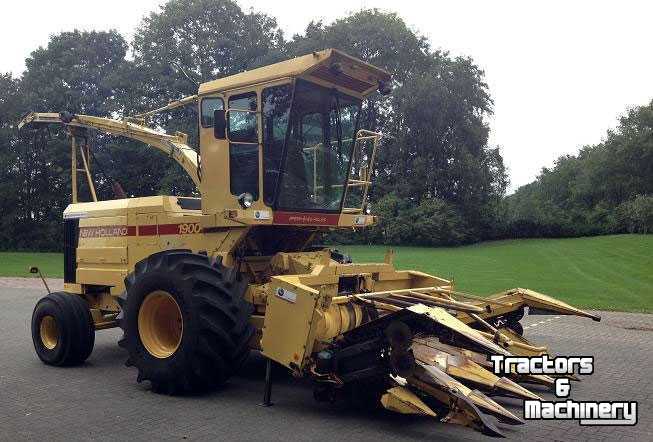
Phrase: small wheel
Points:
(62, 329)
(185, 321)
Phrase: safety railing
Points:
(360, 174)
(362, 162)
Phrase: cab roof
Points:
(329, 67)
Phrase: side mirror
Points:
(219, 124)
(35, 270)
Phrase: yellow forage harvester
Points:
(196, 283)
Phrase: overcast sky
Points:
(560, 72)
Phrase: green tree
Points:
(440, 141)
(9, 202)
(75, 72)
(601, 190)
(208, 38)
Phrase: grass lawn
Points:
(606, 273)
(18, 264)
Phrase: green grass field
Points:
(607, 273)
(18, 264)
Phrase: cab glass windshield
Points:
(318, 149)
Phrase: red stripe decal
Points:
(146, 230)
(170, 229)
(309, 219)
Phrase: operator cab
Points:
(289, 133)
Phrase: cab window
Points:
(243, 144)
(276, 110)
(209, 106)
(242, 118)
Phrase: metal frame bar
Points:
(73, 168)
(88, 173)
(173, 145)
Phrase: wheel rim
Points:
(160, 324)
(49, 332)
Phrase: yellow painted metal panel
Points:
(103, 221)
(102, 255)
(287, 68)
(101, 276)
(290, 321)
(301, 66)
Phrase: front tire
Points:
(186, 324)
(62, 329)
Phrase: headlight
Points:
(246, 200)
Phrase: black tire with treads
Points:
(76, 332)
(216, 328)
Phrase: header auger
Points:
(195, 283)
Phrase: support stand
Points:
(267, 394)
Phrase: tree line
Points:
(437, 180)
(606, 188)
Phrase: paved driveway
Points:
(101, 400)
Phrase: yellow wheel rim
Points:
(49, 332)
(160, 324)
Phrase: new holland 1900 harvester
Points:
(195, 283)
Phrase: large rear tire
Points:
(185, 321)
(62, 329)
